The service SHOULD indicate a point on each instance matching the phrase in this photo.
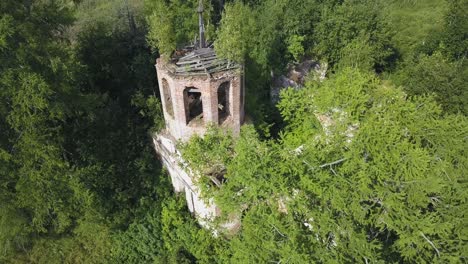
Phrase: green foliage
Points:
(349, 24)
(207, 158)
(236, 32)
(437, 65)
(34, 100)
(414, 23)
(150, 108)
(358, 54)
(280, 238)
(89, 242)
(118, 15)
(185, 242)
(360, 172)
(254, 35)
(295, 47)
(6, 30)
(369, 178)
(396, 193)
(435, 74)
(13, 231)
(165, 232)
(454, 36)
(163, 32)
(174, 24)
(72, 142)
(210, 153)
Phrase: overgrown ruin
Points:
(197, 89)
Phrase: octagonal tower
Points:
(196, 89)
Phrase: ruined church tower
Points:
(197, 89)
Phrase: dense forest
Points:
(383, 180)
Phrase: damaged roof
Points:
(202, 61)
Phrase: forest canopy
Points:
(367, 165)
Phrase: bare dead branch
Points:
(432, 244)
(332, 163)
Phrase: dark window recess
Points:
(217, 178)
(193, 104)
(167, 98)
(223, 101)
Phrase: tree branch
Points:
(278, 230)
(432, 244)
(332, 163)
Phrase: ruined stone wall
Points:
(182, 180)
(178, 128)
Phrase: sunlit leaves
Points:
(174, 24)
(364, 172)
(235, 38)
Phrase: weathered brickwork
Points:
(183, 119)
(208, 85)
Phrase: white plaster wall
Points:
(183, 181)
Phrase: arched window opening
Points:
(167, 98)
(193, 105)
(223, 102)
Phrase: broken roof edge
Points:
(196, 62)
